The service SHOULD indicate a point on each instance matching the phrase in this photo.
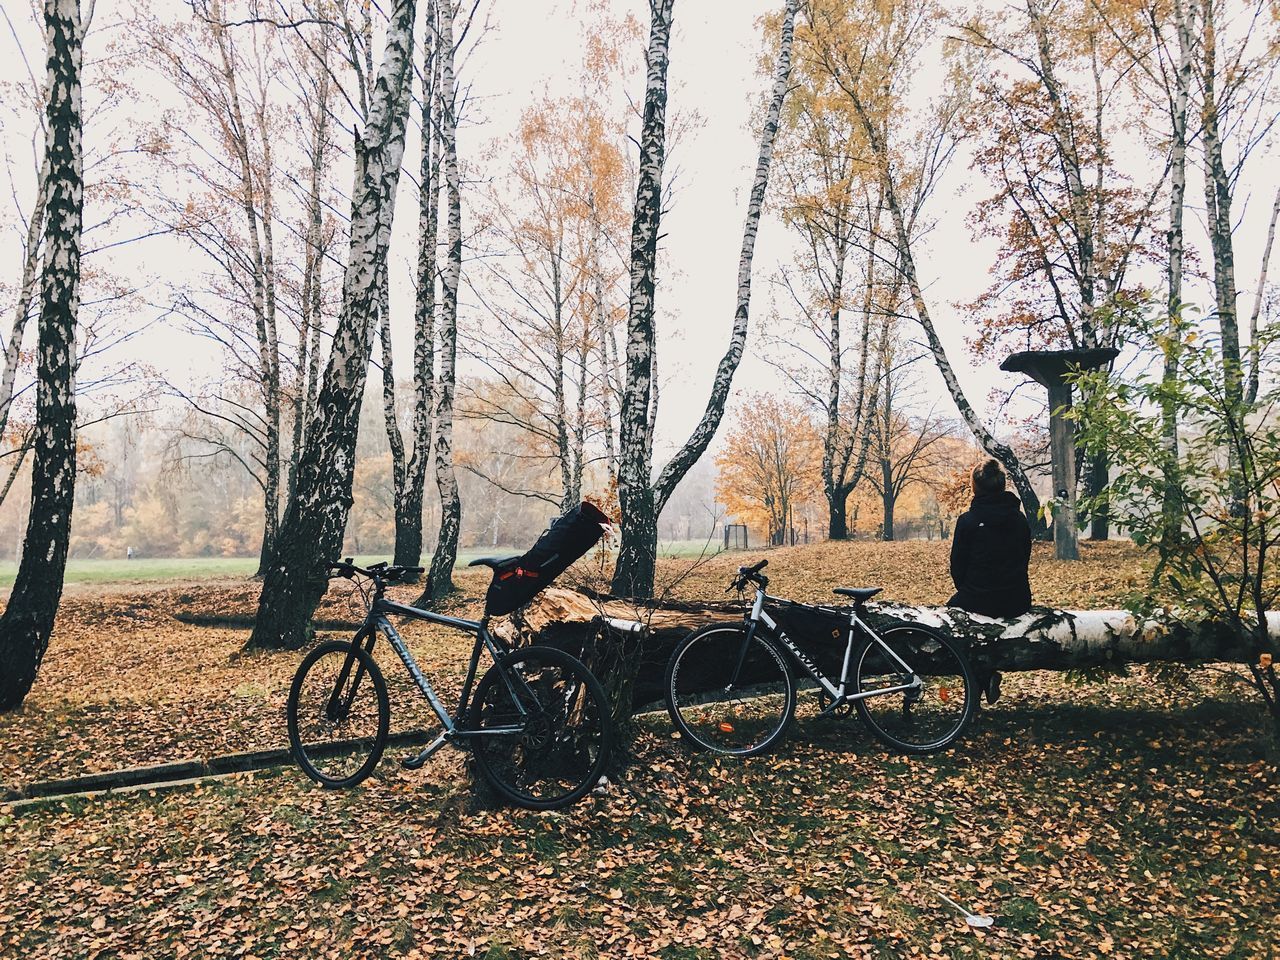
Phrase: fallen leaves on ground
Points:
(1131, 819)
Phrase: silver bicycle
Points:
(731, 689)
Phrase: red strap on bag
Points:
(519, 572)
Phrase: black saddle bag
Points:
(518, 580)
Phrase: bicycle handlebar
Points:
(381, 572)
(747, 575)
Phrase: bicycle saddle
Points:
(859, 594)
(494, 562)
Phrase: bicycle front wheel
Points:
(921, 689)
(540, 728)
(338, 714)
(728, 694)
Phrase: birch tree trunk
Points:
(255, 187)
(1043, 639)
(838, 480)
(702, 435)
(604, 338)
(316, 516)
(28, 618)
(907, 266)
(395, 440)
(440, 576)
(640, 500)
(26, 294)
(1255, 351)
(1171, 507)
(408, 548)
(837, 525)
(312, 270)
(1217, 200)
(634, 572)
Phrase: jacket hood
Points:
(1004, 500)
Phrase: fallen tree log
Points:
(1043, 639)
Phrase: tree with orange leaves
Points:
(549, 281)
(770, 465)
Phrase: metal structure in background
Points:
(1050, 368)
(735, 536)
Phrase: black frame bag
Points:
(819, 630)
(517, 581)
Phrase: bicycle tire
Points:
(562, 761)
(692, 702)
(917, 645)
(308, 756)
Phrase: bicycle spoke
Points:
(338, 716)
(921, 708)
(740, 714)
(560, 740)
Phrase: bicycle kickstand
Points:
(416, 761)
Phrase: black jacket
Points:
(990, 551)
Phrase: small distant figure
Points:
(128, 554)
(991, 549)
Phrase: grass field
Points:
(151, 569)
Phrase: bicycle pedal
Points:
(416, 761)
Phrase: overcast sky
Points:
(714, 70)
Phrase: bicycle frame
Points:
(841, 694)
(377, 622)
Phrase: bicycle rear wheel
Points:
(540, 728)
(338, 714)
(926, 717)
(741, 717)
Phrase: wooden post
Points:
(1062, 448)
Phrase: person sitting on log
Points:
(991, 549)
(990, 554)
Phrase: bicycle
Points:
(538, 724)
(730, 687)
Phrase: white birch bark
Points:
(440, 576)
(26, 294)
(29, 616)
(1255, 352)
(1217, 200)
(1183, 12)
(634, 570)
(603, 338)
(1044, 639)
(907, 266)
(316, 516)
(641, 502)
(309, 328)
(255, 187)
(408, 549)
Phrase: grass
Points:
(145, 570)
(156, 569)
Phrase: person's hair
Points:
(988, 477)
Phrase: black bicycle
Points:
(538, 723)
(730, 687)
